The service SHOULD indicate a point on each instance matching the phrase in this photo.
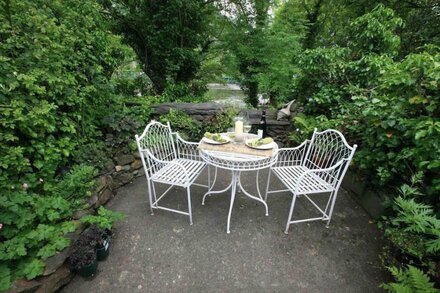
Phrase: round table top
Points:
(240, 161)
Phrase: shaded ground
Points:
(163, 253)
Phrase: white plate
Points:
(261, 147)
(210, 141)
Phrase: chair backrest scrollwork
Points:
(327, 149)
(156, 140)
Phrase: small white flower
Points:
(1, 226)
(25, 186)
(41, 180)
(297, 129)
(15, 73)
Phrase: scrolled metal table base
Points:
(234, 186)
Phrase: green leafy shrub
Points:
(389, 108)
(36, 217)
(375, 32)
(56, 62)
(321, 67)
(193, 130)
(182, 123)
(305, 125)
(75, 185)
(220, 122)
(104, 219)
(93, 153)
(413, 232)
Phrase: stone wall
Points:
(119, 171)
(204, 112)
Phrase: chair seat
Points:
(169, 174)
(311, 183)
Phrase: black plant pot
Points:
(102, 251)
(83, 260)
(87, 270)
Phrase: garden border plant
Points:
(391, 109)
(101, 226)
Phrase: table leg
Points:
(259, 198)
(234, 183)
(210, 191)
(257, 183)
(235, 186)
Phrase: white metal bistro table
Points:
(238, 162)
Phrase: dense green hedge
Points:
(56, 60)
(61, 120)
(391, 109)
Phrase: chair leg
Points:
(150, 197)
(189, 205)
(335, 194)
(290, 214)
(154, 193)
(267, 185)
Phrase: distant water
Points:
(226, 94)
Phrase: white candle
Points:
(238, 128)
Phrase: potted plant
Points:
(100, 229)
(83, 258)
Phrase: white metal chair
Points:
(316, 166)
(168, 159)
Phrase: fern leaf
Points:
(410, 280)
(433, 246)
(419, 281)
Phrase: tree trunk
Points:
(252, 92)
(312, 18)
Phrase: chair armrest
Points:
(161, 162)
(187, 149)
(292, 156)
(325, 174)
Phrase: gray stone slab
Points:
(163, 253)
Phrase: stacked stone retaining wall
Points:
(205, 112)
